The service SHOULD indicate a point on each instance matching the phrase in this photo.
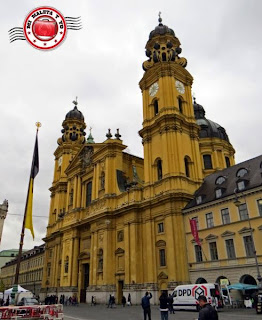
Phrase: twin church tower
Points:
(115, 223)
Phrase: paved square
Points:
(101, 312)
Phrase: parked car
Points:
(27, 302)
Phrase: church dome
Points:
(161, 30)
(75, 114)
(209, 128)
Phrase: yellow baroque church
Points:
(116, 224)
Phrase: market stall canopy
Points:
(242, 286)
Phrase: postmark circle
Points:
(45, 28)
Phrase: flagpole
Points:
(38, 125)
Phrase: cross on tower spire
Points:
(159, 17)
(75, 102)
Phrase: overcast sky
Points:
(101, 64)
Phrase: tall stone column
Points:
(3, 213)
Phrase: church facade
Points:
(116, 224)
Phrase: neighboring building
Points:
(3, 213)
(6, 256)
(115, 222)
(228, 210)
(31, 270)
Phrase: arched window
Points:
(180, 104)
(88, 193)
(207, 161)
(241, 172)
(159, 169)
(156, 107)
(187, 171)
(66, 264)
(227, 162)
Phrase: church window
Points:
(160, 227)
(66, 264)
(156, 107)
(186, 160)
(162, 257)
(180, 104)
(227, 162)
(88, 193)
(159, 169)
(207, 161)
(163, 56)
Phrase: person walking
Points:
(170, 304)
(124, 301)
(109, 301)
(163, 306)
(146, 305)
(207, 312)
(129, 300)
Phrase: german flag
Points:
(29, 200)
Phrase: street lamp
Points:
(237, 203)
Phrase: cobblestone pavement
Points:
(101, 312)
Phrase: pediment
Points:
(161, 243)
(84, 255)
(194, 241)
(245, 230)
(162, 275)
(119, 251)
(228, 233)
(211, 237)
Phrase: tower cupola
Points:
(73, 127)
(163, 46)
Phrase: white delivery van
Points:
(185, 296)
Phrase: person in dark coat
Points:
(124, 301)
(129, 300)
(146, 305)
(163, 306)
(207, 312)
(170, 304)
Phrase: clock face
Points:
(153, 89)
(180, 87)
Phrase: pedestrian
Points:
(124, 301)
(93, 301)
(129, 300)
(170, 304)
(109, 301)
(163, 306)
(146, 305)
(113, 301)
(207, 312)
